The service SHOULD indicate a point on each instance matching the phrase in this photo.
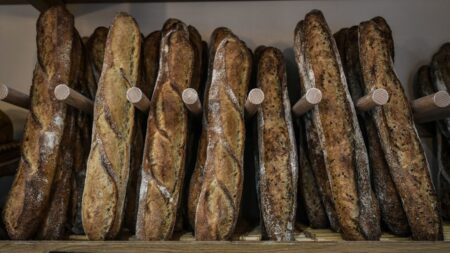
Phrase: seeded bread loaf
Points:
(278, 164)
(40, 165)
(166, 139)
(221, 191)
(399, 139)
(392, 213)
(334, 133)
(109, 159)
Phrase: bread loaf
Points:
(440, 74)
(166, 138)
(31, 192)
(150, 48)
(308, 192)
(220, 195)
(109, 159)
(196, 180)
(278, 165)
(399, 140)
(95, 51)
(392, 213)
(334, 131)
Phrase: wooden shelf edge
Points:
(226, 247)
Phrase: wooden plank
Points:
(226, 247)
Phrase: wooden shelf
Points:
(309, 240)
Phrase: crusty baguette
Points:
(278, 164)
(387, 33)
(399, 139)
(113, 131)
(392, 213)
(308, 192)
(166, 138)
(443, 177)
(440, 74)
(150, 49)
(196, 180)
(95, 51)
(219, 199)
(335, 132)
(30, 194)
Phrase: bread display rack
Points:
(245, 239)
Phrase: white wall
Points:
(419, 28)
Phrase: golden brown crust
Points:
(219, 200)
(95, 51)
(339, 137)
(278, 168)
(399, 139)
(31, 191)
(166, 139)
(392, 212)
(109, 159)
(196, 181)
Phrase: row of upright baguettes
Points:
(133, 175)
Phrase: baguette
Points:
(31, 192)
(221, 191)
(166, 138)
(95, 52)
(278, 165)
(399, 139)
(308, 192)
(443, 180)
(108, 165)
(151, 61)
(336, 135)
(196, 180)
(392, 213)
(440, 74)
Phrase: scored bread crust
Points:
(220, 196)
(338, 134)
(392, 212)
(278, 164)
(196, 180)
(399, 139)
(95, 51)
(166, 139)
(151, 49)
(109, 159)
(30, 193)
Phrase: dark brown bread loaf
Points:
(334, 132)
(6, 128)
(221, 191)
(423, 86)
(31, 192)
(392, 213)
(196, 180)
(150, 48)
(95, 51)
(113, 131)
(399, 139)
(440, 74)
(308, 192)
(278, 164)
(166, 139)
(443, 177)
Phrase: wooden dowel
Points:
(14, 97)
(192, 101)
(312, 97)
(375, 98)
(254, 100)
(138, 99)
(73, 98)
(432, 107)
